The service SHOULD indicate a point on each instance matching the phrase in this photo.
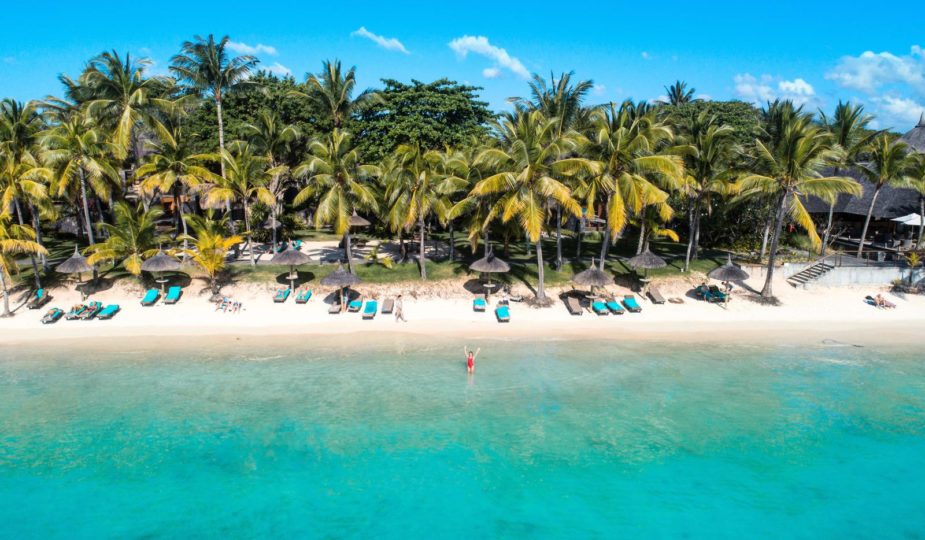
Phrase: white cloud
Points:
(896, 112)
(705, 97)
(480, 45)
(389, 44)
(491, 73)
(278, 69)
(645, 55)
(599, 89)
(871, 71)
(760, 90)
(244, 48)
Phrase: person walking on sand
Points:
(470, 358)
(399, 310)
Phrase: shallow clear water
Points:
(296, 438)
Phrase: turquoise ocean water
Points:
(558, 439)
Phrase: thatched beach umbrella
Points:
(160, 263)
(646, 261)
(76, 264)
(592, 277)
(357, 221)
(728, 272)
(292, 258)
(341, 279)
(489, 264)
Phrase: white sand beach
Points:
(445, 309)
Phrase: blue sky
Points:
(813, 52)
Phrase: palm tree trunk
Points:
(247, 226)
(690, 236)
(348, 250)
(828, 222)
(221, 127)
(918, 241)
(452, 241)
(540, 272)
(605, 243)
(35, 266)
(558, 264)
(775, 237)
(642, 237)
(6, 294)
(696, 254)
(421, 260)
(578, 230)
(86, 207)
(37, 225)
(765, 236)
(870, 212)
(182, 222)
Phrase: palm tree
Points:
(245, 181)
(170, 167)
(679, 94)
(708, 150)
(890, 164)
(560, 100)
(79, 157)
(210, 246)
(788, 168)
(14, 240)
(208, 68)
(848, 126)
(132, 238)
(625, 147)
(23, 179)
(417, 189)
(332, 92)
(120, 96)
(530, 159)
(918, 184)
(336, 177)
(271, 138)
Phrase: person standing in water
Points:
(470, 358)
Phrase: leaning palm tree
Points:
(121, 97)
(335, 176)
(708, 149)
(208, 68)
(787, 168)
(679, 94)
(210, 246)
(80, 158)
(332, 92)
(132, 238)
(529, 161)
(848, 126)
(15, 240)
(890, 164)
(245, 181)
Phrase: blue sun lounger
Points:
(303, 296)
(93, 309)
(282, 295)
(109, 312)
(615, 307)
(503, 313)
(173, 295)
(369, 311)
(631, 305)
(150, 297)
(479, 305)
(355, 305)
(600, 308)
(40, 299)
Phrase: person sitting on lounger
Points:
(470, 359)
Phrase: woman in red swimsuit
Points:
(470, 359)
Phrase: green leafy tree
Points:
(210, 246)
(890, 164)
(338, 180)
(679, 93)
(131, 239)
(15, 240)
(331, 92)
(209, 69)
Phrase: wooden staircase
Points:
(810, 273)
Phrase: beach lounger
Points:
(388, 306)
(717, 295)
(656, 296)
(615, 307)
(282, 295)
(93, 308)
(109, 312)
(599, 308)
(479, 305)
(75, 312)
(369, 312)
(355, 305)
(631, 305)
(334, 309)
(303, 297)
(150, 297)
(573, 305)
(52, 316)
(39, 299)
(173, 295)
(297, 245)
(503, 313)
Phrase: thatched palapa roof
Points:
(728, 272)
(340, 278)
(490, 264)
(916, 136)
(161, 262)
(646, 261)
(290, 257)
(592, 277)
(76, 264)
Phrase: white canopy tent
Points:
(910, 219)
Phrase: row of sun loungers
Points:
(82, 312)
